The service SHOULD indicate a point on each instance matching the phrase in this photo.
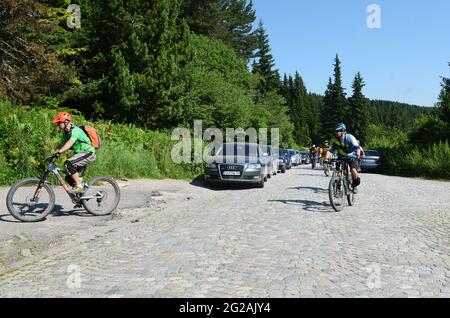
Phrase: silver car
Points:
(273, 158)
(371, 161)
(294, 158)
(238, 163)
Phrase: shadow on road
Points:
(316, 190)
(216, 186)
(308, 205)
(57, 211)
(76, 212)
(311, 175)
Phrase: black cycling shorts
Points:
(353, 163)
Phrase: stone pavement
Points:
(281, 241)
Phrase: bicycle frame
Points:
(52, 168)
(344, 168)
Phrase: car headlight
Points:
(211, 165)
(254, 166)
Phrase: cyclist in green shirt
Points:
(76, 139)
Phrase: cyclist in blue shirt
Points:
(347, 146)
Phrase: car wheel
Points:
(260, 184)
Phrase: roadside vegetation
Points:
(127, 151)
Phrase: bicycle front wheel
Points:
(101, 196)
(30, 200)
(336, 193)
(350, 195)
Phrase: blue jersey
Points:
(346, 147)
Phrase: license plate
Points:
(231, 173)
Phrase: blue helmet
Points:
(341, 126)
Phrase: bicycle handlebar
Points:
(52, 157)
(342, 159)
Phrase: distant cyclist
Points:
(346, 146)
(324, 148)
(74, 138)
(312, 155)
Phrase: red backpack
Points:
(93, 135)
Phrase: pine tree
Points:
(230, 21)
(358, 120)
(315, 106)
(327, 115)
(341, 110)
(444, 100)
(294, 91)
(204, 17)
(336, 106)
(265, 63)
(238, 23)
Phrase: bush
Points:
(405, 158)
(430, 130)
(127, 151)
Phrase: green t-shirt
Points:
(82, 141)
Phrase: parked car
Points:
(371, 161)
(305, 157)
(238, 163)
(298, 157)
(272, 159)
(285, 159)
(293, 155)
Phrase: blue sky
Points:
(402, 61)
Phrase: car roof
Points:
(240, 143)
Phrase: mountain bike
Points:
(341, 184)
(32, 199)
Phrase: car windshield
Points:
(291, 152)
(247, 150)
(371, 153)
(283, 152)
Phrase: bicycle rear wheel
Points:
(102, 196)
(336, 193)
(29, 200)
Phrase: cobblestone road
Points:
(281, 241)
